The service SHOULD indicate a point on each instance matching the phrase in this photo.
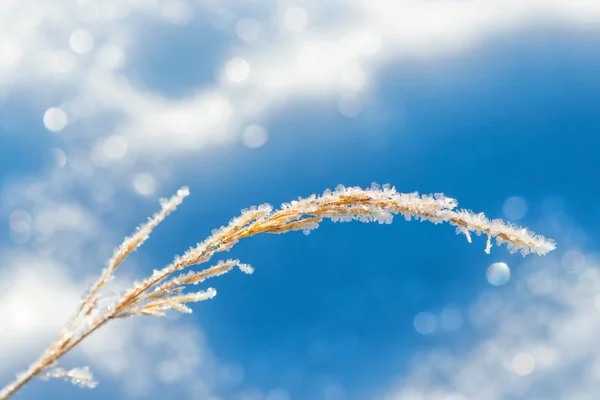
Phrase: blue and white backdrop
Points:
(107, 105)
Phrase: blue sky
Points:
(93, 131)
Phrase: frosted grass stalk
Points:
(164, 289)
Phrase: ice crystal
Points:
(81, 377)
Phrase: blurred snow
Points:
(40, 288)
(316, 49)
(74, 55)
(532, 343)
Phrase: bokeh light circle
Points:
(425, 323)
(55, 119)
(498, 274)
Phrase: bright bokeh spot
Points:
(369, 43)
(573, 261)
(33, 17)
(454, 396)
(353, 78)
(278, 394)
(55, 119)
(514, 208)
(115, 147)
(144, 184)
(176, 12)
(247, 29)
(450, 319)
(111, 56)
(425, 323)
(81, 41)
(237, 70)
(88, 10)
(295, 19)
(11, 54)
(523, 364)
(546, 356)
(19, 223)
(59, 157)
(498, 274)
(169, 371)
(540, 283)
(350, 106)
(255, 136)
(59, 62)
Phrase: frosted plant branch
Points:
(84, 322)
(129, 245)
(164, 289)
(81, 377)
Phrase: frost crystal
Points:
(81, 377)
(488, 245)
(246, 268)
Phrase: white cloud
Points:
(339, 59)
(335, 50)
(36, 297)
(147, 353)
(43, 279)
(38, 293)
(72, 53)
(537, 340)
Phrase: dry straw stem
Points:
(163, 290)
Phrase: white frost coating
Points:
(379, 204)
(246, 268)
(488, 245)
(210, 293)
(163, 291)
(81, 377)
(437, 209)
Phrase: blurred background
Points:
(105, 106)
